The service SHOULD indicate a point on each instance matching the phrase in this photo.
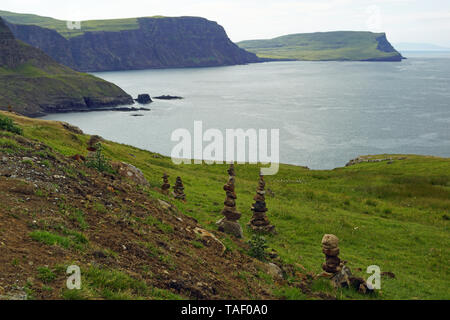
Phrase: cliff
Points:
(32, 83)
(141, 43)
(326, 46)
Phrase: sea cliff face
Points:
(33, 84)
(156, 43)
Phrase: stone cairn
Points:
(229, 223)
(259, 221)
(330, 247)
(178, 190)
(165, 186)
(335, 268)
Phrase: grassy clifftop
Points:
(32, 83)
(61, 26)
(340, 45)
(128, 44)
(391, 213)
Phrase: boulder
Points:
(230, 227)
(131, 172)
(275, 271)
(144, 99)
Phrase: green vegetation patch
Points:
(340, 45)
(8, 124)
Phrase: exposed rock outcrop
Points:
(161, 42)
(144, 98)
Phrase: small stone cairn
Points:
(178, 190)
(165, 186)
(229, 223)
(335, 269)
(259, 221)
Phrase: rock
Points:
(275, 271)
(230, 227)
(144, 99)
(178, 189)
(131, 172)
(165, 186)
(165, 205)
(229, 223)
(23, 187)
(388, 274)
(203, 234)
(71, 128)
(94, 140)
(168, 97)
(259, 221)
(99, 255)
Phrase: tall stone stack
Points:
(335, 269)
(259, 221)
(229, 223)
(178, 190)
(330, 247)
(165, 186)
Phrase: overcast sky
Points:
(425, 21)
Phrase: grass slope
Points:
(61, 26)
(392, 215)
(29, 79)
(340, 45)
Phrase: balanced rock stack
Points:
(229, 222)
(330, 247)
(178, 190)
(259, 221)
(165, 186)
(336, 270)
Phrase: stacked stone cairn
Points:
(259, 221)
(178, 190)
(229, 223)
(335, 269)
(165, 186)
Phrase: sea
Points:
(326, 112)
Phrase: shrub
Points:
(258, 246)
(7, 124)
(98, 161)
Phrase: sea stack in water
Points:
(259, 221)
(229, 223)
(144, 98)
(165, 186)
(178, 190)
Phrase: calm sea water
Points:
(327, 112)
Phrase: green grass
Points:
(340, 45)
(46, 275)
(115, 285)
(390, 215)
(7, 124)
(70, 239)
(61, 26)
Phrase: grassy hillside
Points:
(61, 26)
(31, 82)
(341, 45)
(391, 214)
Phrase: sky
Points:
(417, 21)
